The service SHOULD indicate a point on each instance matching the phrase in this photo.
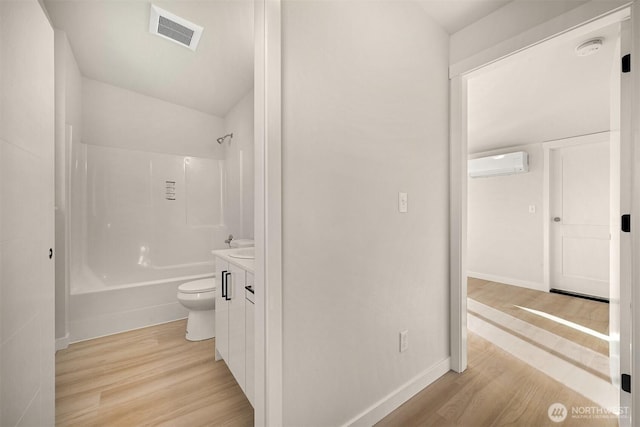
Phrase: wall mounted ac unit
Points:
(501, 164)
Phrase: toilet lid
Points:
(202, 285)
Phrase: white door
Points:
(579, 207)
(27, 293)
(620, 315)
(249, 379)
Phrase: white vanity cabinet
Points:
(230, 318)
(235, 294)
(222, 311)
(249, 339)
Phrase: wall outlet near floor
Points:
(404, 340)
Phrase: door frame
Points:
(592, 15)
(634, 134)
(268, 405)
(547, 147)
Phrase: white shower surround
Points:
(132, 246)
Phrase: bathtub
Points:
(98, 309)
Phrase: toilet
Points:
(199, 297)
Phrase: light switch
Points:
(404, 340)
(402, 202)
(532, 208)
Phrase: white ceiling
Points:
(453, 15)
(112, 44)
(542, 94)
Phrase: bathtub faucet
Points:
(229, 239)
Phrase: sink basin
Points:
(245, 253)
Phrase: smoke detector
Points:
(171, 27)
(589, 47)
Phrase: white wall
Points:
(73, 88)
(508, 21)
(27, 313)
(239, 167)
(519, 24)
(120, 118)
(365, 116)
(68, 94)
(505, 240)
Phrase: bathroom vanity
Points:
(234, 314)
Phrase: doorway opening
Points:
(553, 227)
(155, 148)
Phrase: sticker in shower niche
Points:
(170, 190)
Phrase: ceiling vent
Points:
(172, 27)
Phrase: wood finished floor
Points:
(497, 389)
(154, 377)
(506, 298)
(147, 377)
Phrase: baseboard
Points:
(509, 281)
(392, 401)
(62, 343)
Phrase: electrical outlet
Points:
(403, 204)
(404, 340)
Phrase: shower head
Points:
(223, 138)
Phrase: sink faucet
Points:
(229, 239)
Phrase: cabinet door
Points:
(236, 359)
(249, 327)
(221, 312)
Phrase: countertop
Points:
(243, 263)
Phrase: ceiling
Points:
(453, 15)
(544, 93)
(112, 44)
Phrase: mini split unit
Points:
(502, 164)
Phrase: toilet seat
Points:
(198, 286)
